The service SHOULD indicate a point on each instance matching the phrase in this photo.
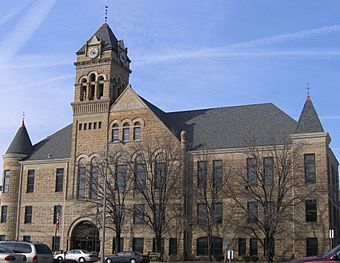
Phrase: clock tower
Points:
(102, 74)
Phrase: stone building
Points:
(43, 184)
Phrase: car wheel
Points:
(81, 260)
(108, 260)
(60, 259)
(133, 261)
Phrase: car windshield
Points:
(137, 253)
(331, 252)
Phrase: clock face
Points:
(93, 52)
(122, 57)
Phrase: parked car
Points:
(35, 252)
(128, 257)
(79, 255)
(7, 255)
(332, 255)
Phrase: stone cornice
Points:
(46, 161)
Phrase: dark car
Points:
(128, 257)
(332, 255)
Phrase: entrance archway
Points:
(85, 235)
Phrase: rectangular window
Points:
(117, 246)
(6, 181)
(99, 125)
(138, 214)
(242, 250)
(2, 237)
(85, 126)
(202, 171)
(59, 180)
(90, 125)
(28, 215)
(252, 212)
(217, 173)
(268, 170)
(30, 181)
(4, 214)
(159, 175)
(202, 214)
(251, 169)
(57, 214)
(140, 182)
(310, 175)
(26, 238)
(218, 212)
(138, 244)
(173, 246)
(312, 246)
(270, 210)
(311, 210)
(121, 171)
(55, 243)
(80, 126)
(94, 125)
(253, 247)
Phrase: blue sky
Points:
(185, 55)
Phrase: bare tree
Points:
(156, 166)
(265, 191)
(113, 168)
(209, 194)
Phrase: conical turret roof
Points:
(309, 121)
(108, 39)
(21, 143)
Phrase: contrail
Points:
(5, 16)
(228, 49)
(25, 29)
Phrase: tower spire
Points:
(23, 120)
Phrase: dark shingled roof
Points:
(309, 121)
(105, 34)
(56, 146)
(231, 127)
(21, 143)
(216, 128)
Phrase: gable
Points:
(128, 100)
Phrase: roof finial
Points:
(23, 119)
(106, 7)
(308, 90)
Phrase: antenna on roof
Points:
(106, 7)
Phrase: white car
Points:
(7, 255)
(79, 255)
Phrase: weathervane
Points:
(23, 118)
(308, 89)
(106, 7)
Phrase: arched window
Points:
(136, 131)
(92, 91)
(126, 132)
(81, 179)
(83, 92)
(100, 92)
(94, 179)
(140, 173)
(92, 77)
(115, 132)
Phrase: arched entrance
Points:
(85, 235)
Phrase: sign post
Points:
(331, 237)
(230, 255)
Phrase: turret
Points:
(19, 149)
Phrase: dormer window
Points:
(126, 132)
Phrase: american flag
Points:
(57, 221)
